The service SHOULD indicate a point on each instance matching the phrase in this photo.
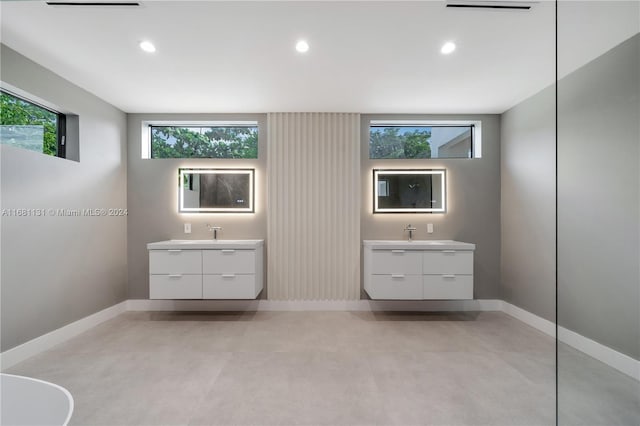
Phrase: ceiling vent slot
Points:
(495, 5)
(94, 3)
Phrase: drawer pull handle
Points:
(448, 276)
(397, 276)
(174, 251)
(228, 275)
(397, 251)
(228, 251)
(175, 276)
(448, 251)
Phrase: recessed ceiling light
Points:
(302, 46)
(147, 46)
(448, 47)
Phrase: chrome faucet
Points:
(410, 229)
(215, 230)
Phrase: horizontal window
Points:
(204, 141)
(415, 141)
(27, 125)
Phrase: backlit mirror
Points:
(216, 190)
(409, 191)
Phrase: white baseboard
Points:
(191, 305)
(546, 326)
(614, 359)
(621, 362)
(611, 357)
(33, 347)
(314, 305)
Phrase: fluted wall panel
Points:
(313, 218)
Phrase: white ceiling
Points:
(365, 56)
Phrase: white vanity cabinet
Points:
(175, 274)
(231, 274)
(205, 269)
(418, 270)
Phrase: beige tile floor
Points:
(321, 368)
(591, 393)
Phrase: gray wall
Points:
(599, 199)
(56, 270)
(153, 204)
(528, 216)
(473, 191)
(598, 207)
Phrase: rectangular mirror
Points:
(409, 191)
(216, 190)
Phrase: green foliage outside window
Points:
(398, 142)
(16, 113)
(204, 142)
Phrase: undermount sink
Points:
(419, 244)
(204, 244)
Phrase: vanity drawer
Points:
(175, 286)
(175, 262)
(229, 261)
(396, 286)
(448, 287)
(448, 262)
(396, 262)
(229, 286)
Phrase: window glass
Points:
(408, 141)
(26, 125)
(204, 141)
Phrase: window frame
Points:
(61, 121)
(147, 152)
(474, 125)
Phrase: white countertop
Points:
(418, 245)
(205, 244)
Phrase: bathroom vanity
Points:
(418, 270)
(206, 269)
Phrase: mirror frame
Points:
(207, 170)
(378, 172)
